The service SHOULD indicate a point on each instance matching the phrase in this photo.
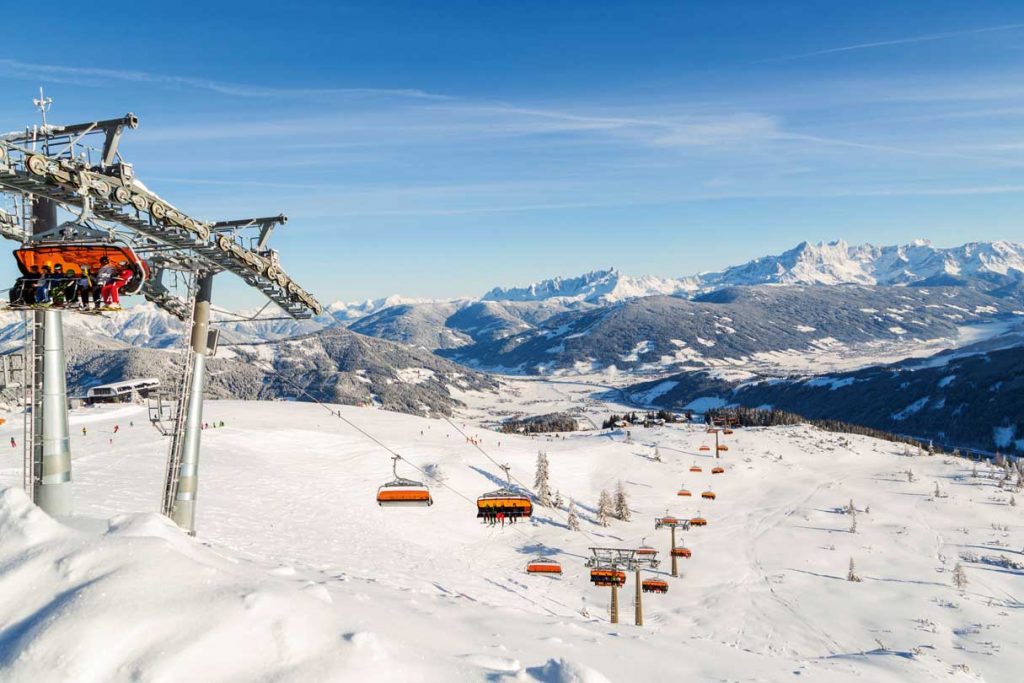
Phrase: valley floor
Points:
(297, 574)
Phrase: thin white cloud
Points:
(927, 38)
(92, 75)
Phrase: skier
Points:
(84, 431)
(117, 428)
(13, 443)
(104, 276)
(131, 423)
(111, 289)
(85, 288)
(23, 293)
(43, 286)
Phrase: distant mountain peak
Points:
(598, 286)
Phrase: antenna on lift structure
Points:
(113, 215)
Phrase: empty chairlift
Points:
(683, 491)
(708, 495)
(645, 550)
(544, 565)
(696, 468)
(704, 448)
(722, 447)
(718, 470)
(654, 586)
(503, 504)
(403, 492)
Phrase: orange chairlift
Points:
(722, 447)
(698, 520)
(669, 521)
(718, 470)
(683, 491)
(543, 565)
(727, 431)
(708, 495)
(696, 468)
(704, 448)
(682, 551)
(607, 576)
(645, 550)
(654, 586)
(403, 492)
(78, 258)
(503, 504)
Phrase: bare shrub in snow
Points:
(959, 576)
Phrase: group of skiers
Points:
(53, 286)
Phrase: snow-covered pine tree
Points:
(621, 502)
(605, 508)
(657, 454)
(574, 519)
(853, 522)
(559, 501)
(910, 476)
(959, 576)
(540, 480)
(851, 508)
(1013, 501)
(938, 491)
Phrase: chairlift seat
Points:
(654, 586)
(404, 493)
(543, 565)
(75, 256)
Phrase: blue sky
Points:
(439, 149)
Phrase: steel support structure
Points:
(51, 442)
(614, 612)
(183, 509)
(639, 599)
(675, 560)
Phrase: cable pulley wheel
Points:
(203, 231)
(273, 272)
(158, 210)
(224, 243)
(36, 164)
(122, 195)
(140, 202)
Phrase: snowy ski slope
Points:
(297, 574)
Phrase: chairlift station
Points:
(72, 197)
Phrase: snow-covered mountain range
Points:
(919, 262)
(834, 263)
(598, 287)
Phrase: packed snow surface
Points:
(297, 574)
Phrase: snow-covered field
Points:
(297, 574)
